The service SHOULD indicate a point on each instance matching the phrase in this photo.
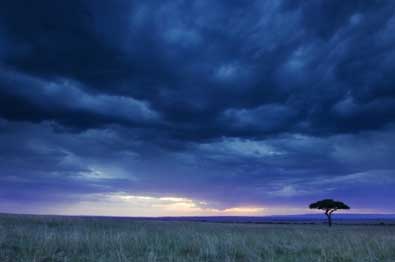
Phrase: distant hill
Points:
(283, 219)
(306, 218)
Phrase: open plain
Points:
(84, 239)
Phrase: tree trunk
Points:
(329, 216)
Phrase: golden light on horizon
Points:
(122, 204)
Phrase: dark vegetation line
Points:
(217, 220)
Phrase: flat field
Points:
(46, 239)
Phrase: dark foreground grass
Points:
(45, 239)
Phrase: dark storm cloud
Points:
(328, 62)
(61, 100)
(324, 18)
(268, 99)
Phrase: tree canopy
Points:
(330, 206)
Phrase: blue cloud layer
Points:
(230, 102)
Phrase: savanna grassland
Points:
(46, 239)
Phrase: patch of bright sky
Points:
(121, 204)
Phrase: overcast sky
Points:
(196, 107)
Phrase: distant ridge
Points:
(274, 219)
(284, 218)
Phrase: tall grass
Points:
(45, 239)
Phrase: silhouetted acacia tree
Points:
(329, 206)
